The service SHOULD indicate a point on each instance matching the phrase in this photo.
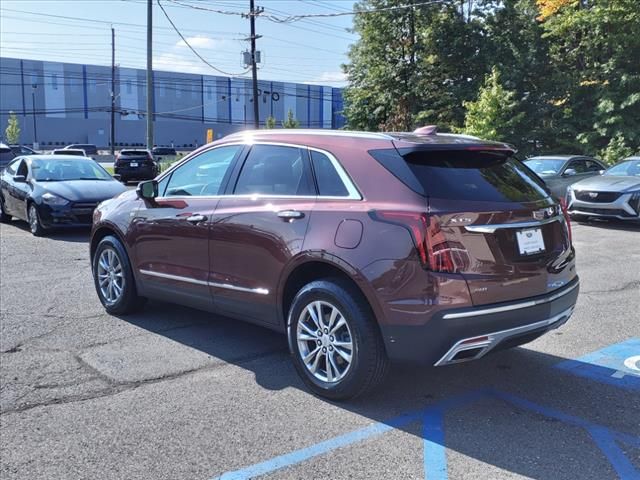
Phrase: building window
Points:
(54, 81)
(34, 79)
(195, 91)
(161, 89)
(209, 92)
(176, 86)
(129, 88)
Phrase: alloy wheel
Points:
(33, 219)
(325, 342)
(110, 276)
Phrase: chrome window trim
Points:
(187, 158)
(491, 228)
(354, 193)
(516, 306)
(227, 286)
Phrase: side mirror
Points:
(147, 190)
(569, 172)
(20, 179)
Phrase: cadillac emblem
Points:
(544, 213)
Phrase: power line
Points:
(194, 50)
(296, 18)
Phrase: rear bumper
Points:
(466, 334)
(139, 173)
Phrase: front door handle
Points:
(196, 218)
(290, 214)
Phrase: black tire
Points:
(4, 217)
(369, 362)
(128, 301)
(35, 225)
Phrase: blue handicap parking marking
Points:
(617, 365)
(433, 433)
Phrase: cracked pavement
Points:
(176, 393)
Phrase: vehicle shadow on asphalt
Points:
(75, 235)
(482, 405)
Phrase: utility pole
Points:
(149, 74)
(112, 140)
(253, 12)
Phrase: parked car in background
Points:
(560, 171)
(462, 252)
(89, 148)
(614, 194)
(22, 150)
(53, 191)
(6, 155)
(134, 164)
(162, 152)
(76, 152)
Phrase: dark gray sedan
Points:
(615, 194)
(560, 171)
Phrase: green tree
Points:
(270, 122)
(615, 151)
(413, 66)
(521, 53)
(291, 121)
(494, 114)
(594, 48)
(12, 133)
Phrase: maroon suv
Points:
(362, 247)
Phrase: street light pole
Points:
(33, 106)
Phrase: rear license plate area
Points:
(530, 241)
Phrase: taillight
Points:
(433, 250)
(567, 219)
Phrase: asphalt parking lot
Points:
(173, 393)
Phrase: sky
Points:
(79, 31)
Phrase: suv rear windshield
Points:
(134, 152)
(88, 148)
(471, 175)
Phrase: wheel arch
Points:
(101, 232)
(312, 268)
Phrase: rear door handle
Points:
(196, 218)
(290, 214)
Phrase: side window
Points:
(580, 166)
(593, 166)
(12, 167)
(23, 169)
(275, 170)
(329, 182)
(202, 175)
